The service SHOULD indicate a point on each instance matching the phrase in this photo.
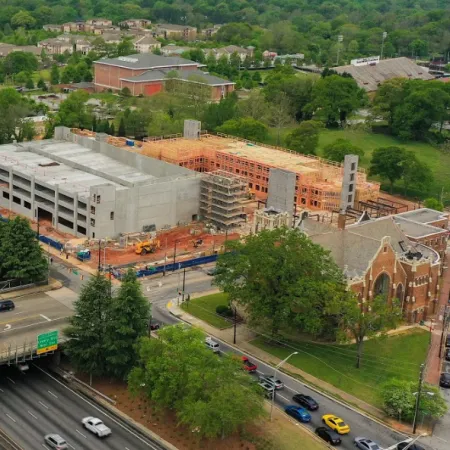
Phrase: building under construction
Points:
(221, 199)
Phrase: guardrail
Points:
(7, 442)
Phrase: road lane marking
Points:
(279, 395)
(19, 319)
(43, 445)
(148, 444)
(1, 390)
(32, 415)
(51, 393)
(45, 317)
(12, 381)
(12, 418)
(79, 432)
(71, 446)
(44, 405)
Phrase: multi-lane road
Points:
(160, 291)
(34, 404)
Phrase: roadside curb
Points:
(52, 286)
(309, 386)
(104, 401)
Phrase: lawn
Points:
(391, 357)
(44, 74)
(204, 308)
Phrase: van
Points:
(7, 305)
(213, 345)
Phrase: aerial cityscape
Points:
(224, 226)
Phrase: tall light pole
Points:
(414, 440)
(340, 38)
(419, 392)
(275, 377)
(382, 43)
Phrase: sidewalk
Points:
(243, 338)
(433, 366)
(52, 285)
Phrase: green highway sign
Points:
(47, 342)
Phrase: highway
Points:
(34, 404)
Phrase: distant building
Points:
(146, 44)
(147, 74)
(53, 28)
(243, 53)
(370, 72)
(6, 49)
(135, 23)
(174, 50)
(55, 46)
(177, 32)
(99, 22)
(209, 32)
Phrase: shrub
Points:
(224, 310)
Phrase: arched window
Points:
(399, 293)
(381, 286)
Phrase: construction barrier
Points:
(169, 267)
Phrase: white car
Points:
(96, 426)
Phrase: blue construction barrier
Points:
(170, 267)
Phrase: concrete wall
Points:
(281, 190)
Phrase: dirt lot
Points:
(281, 434)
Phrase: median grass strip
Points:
(204, 308)
(398, 356)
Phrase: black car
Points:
(447, 354)
(7, 305)
(306, 401)
(414, 446)
(444, 381)
(154, 325)
(328, 435)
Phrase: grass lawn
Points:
(44, 74)
(205, 309)
(438, 161)
(391, 357)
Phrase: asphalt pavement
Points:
(34, 404)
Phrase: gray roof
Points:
(423, 215)
(173, 27)
(146, 61)
(187, 75)
(416, 229)
(369, 77)
(146, 40)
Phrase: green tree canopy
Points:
(337, 150)
(305, 138)
(72, 111)
(387, 162)
(54, 75)
(17, 62)
(433, 203)
(245, 127)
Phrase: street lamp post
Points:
(382, 43)
(274, 378)
(414, 440)
(419, 392)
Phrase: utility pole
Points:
(419, 392)
(382, 43)
(235, 320)
(184, 284)
(174, 256)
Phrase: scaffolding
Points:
(222, 197)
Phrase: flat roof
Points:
(146, 61)
(416, 229)
(423, 215)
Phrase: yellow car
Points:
(336, 423)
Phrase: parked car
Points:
(248, 365)
(96, 426)
(213, 345)
(268, 389)
(211, 271)
(328, 436)
(298, 413)
(366, 444)
(447, 354)
(404, 444)
(56, 441)
(154, 325)
(306, 401)
(336, 423)
(271, 379)
(7, 305)
(444, 381)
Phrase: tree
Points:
(334, 98)
(388, 97)
(280, 276)
(87, 330)
(21, 257)
(416, 173)
(129, 314)
(305, 138)
(280, 114)
(125, 92)
(364, 321)
(337, 150)
(54, 75)
(245, 127)
(399, 400)
(29, 84)
(254, 106)
(209, 394)
(387, 162)
(112, 129)
(433, 203)
(17, 62)
(72, 111)
(125, 48)
(217, 114)
(122, 131)
(23, 19)
(41, 84)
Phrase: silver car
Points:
(56, 441)
(278, 384)
(366, 444)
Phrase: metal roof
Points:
(146, 61)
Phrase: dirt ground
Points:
(281, 434)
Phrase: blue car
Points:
(298, 413)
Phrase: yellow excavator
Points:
(142, 248)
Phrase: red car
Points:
(249, 366)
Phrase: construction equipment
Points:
(84, 255)
(142, 248)
(197, 242)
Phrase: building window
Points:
(92, 222)
(111, 215)
(92, 209)
(350, 188)
(6, 195)
(385, 249)
(16, 200)
(98, 198)
(353, 166)
(352, 177)
(349, 199)
(27, 204)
